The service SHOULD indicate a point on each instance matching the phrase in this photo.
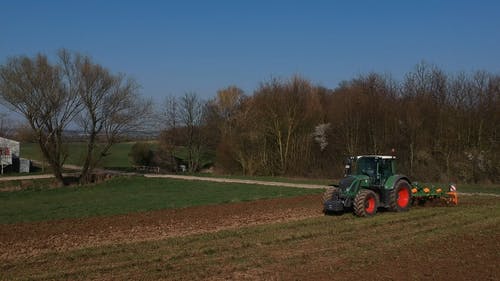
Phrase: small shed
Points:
(9, 150)
(24, 165)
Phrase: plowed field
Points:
(276, 239)
(28, 239)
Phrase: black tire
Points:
(366, 203)
(400, 196)
(327, 195)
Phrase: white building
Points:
(9, 150)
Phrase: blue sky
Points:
(173, 47)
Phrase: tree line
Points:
(441, 127)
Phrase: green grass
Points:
(128, 194)
(117, 158)
(31, 151)
(33, 184)
(118, 154)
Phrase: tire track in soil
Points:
(31, 239)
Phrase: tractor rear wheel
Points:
(366, 203)
(400, 197)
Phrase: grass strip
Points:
(129, 194)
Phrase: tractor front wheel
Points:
(366, 203)
(400, 197)
(328, 195)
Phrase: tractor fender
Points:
(392, 180)
(390, 183)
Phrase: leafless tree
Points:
(7, 125)
(53, 95)
(111, 106)
(227, 103)
(183, 118)
(442, 127)
(170, 134)
(47, 96)
(171, 113)
(191, 113)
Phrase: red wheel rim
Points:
(403, 197)
(370, 205)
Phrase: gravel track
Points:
(226, 180)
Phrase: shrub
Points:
(141, 154)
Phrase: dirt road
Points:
(27, 177)
(270, 183)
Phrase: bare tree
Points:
(169, 137)
(227, 104)
(7, 125)
(287, 112)
(183, 118)
(51, 96)
(191, 113)
(47, 96)
(111, 107)
(171, 113)
(221, 125)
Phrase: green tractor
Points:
(370, 182)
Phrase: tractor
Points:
(371, 182)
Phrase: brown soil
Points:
(31, 239)
(385, 252)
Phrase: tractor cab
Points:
(378, 168)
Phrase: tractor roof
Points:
(377, 156)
